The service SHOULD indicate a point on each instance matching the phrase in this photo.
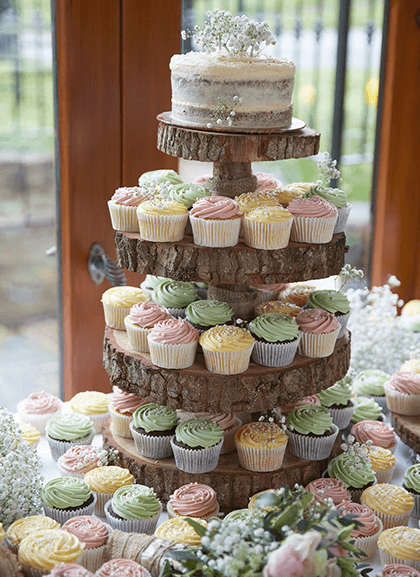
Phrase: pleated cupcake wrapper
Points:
(230, 363)
(202, 293)
(369, 544)
(61, 516)
(317, 345)
(317, 230)
(342, 417)
(177, 313)
(381, 400)
(343, 320)
(229, 438)
(387, 559)
(37, 421)
(402, 403)
(58, 448)
(342, 217)
(13, 548)
(120, 424)
(260, 459)
(172, 356)
(385, 475)
(390, 521)
(196, 461)
(92, 559)
(171, 513)
(162, 228)
(153, 447)
(275, 354)
(146, 526)
(101, 500)
(114, 316)
(137, 336)
(267, 235)
(416, 511)
(311, 448)
(215, 233)
(33, 572)
(123, 218)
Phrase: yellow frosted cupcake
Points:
(267, 227)
(227, 349)
(162, 221)
(290, 192)
(392, 504)
(261, 446)
(296, 294)
(26, 526)
(400, 545)
(94, 405)
(412, 365)
(411, 308)
(179, 530)
(383, 463)
(250, 200)
(117, 302)
(104, 481)
(29, 434)
(280, 307)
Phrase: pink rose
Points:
(295, 557)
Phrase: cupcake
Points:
(365, 408)
(94, 534)
(400, 545)
(94, 405)
(325, 488)
(117, 302)
(202, 289)
(366, 534)
(267, 227)
(65, 431)
(398, 570)
(104, 481)
(311, 432)
(123, 208)
(67, 497)
(319, 333)
(412, 366)
(123, 567)
(277, 339)
(402, 393)
(289, 192)
(197, 445)
(227, 349)
(336, 197)
(383, 463)
(25, 526)
(175, 296)
(310, 400)
(152, 428)
(392, 504)
(134, 509)
(187, 194)
(338, 400)
(261, 446)
(208, 313)
(381, 434)
(142, 317)
(334, 302)
(162, 220)
(229, 423)
(38, 408)
(193, 500)
(121, 408)
(151, 281)
(267, 292)
(314, 220)
(266, 181)
(266, 501)
(353, 469)
(215, 221)
(70, 570)
(250, 200)
(280, 307)
(80, 459)
(173, 344)
(29, 434)
(412, 485)
(178, 529)
(296, 294)
(370, 383)
(40, 552)
(244, 515)
(163, 175)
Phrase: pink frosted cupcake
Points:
(142, 317)
(381, 434)
(366, 535)
(314, 220)
(319, 333)
(123, 567)
(173, 344)
(398, 570)
(193, 500)
(121, 409)
(402, 393)
(229, 423)
(123, 208)
(80, 459)
(38, 408)
(267, 181)
(327, 488)
(215, 221)
(94, 534)
(70, 570)
(310, 400)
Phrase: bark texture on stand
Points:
(408, 429)
(9, 564)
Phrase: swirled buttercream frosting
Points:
(152, 417)
(122, 568)
(317, 321)
(151, 281)
(174, 294)
(27, 525)
(401, 542)
(333, 489)
(199, 433)
(135, 502)
(90, 403)
(40, 403)
(315, 207)
(310, 400)
(364, 515)
(29, 433)
(381, 459)
(296, 294)
(352, 473)
(178, 529)
(329, 300)
(398, 570)
(366, 408)
(208, 313)
(370, 382)
(82, 458)
(338, 394)
(226, 338)
(70, 570)
(412, 478)
(268, 214)
(108, 479)
(387, 498)
(89, 530)
(278, 307)
(65, 492)
(147, 314)
(173, 332)
(274, 327)
(161, 208)
(244, 515)
(129, 196)
(194, 500)
(187, 194)
(309, 419)
(407, 383)
(124, 296)
(225, 420)
(152, 177)
(49, 548)
(261, 435)
(266, 181)
(381, 434)
(215, 208)
(250, 200)
(69, 427)
(334, 196)
(126, 403)
(413, 365)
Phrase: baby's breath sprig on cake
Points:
(225, 112)
(359, 452)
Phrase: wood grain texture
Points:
(9, 565)
(186, 261)
(196, 389)
(408, 429)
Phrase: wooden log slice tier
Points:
(197, 389)
(241, 264)
(408, 429)
(9, 564)
(233, 484)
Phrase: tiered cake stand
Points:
(195, 389)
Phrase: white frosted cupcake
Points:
(215, 221)
(162, 221)
(227, 349)
(267, 227)
(94, 405)
(402, 393)
(117, 302)
(123, 208)
(94, 534)
(38, 408)
(142, 317)
(173, 344)
(314, 220)
(319, 333)
(121, 408)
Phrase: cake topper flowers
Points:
(238, 35)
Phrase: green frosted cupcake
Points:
(197, 445)
(336, 197)
(208, 313)
(66, 430)
(187, 194)
(370, 383)
(67, 497)
(152, 428)
(244, 515)
(311, 432)
(134, 509)
(366, 408)
(153, 177)
(353, 468)
(334, 302)
(338, 400)
(412, 485)
(277, 338)
(175, 296)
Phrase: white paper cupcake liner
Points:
(401, 403)
(101, 500)
(416, 511)
(267, 235)
(198, 460)
(387, 559)
(260, 460)
(342, 417)
(137, 336)
(369, 544)
(385, 475)
(93, 559)
(389, 521)
(229, 438)
(172, 356)
(123, 218)
(177, 313)
(171, 513)
(318, 345)
(146, 526)
(98, 421)
(342, 217)
(114, 316)
(312, 230)
(120, 424)
(61, 516)
(343, 320)
(312, 448)
(153, 447)
(58, 448)
(231, 363)
(275, 354)
(162, 228)
(215, 233)
(37, 421)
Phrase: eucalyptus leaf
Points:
(199, 529)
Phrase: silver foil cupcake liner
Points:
(146, 526)
(153, 447)
(312, 448)
(196, 460)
